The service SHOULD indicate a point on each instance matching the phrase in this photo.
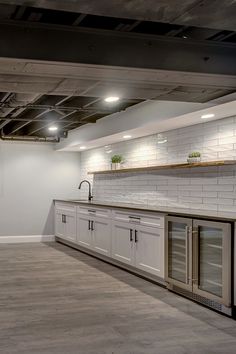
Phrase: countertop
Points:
(193, 213)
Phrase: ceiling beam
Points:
(210, 14)
(5, 122)
(102, 47)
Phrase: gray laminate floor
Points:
(54, 299)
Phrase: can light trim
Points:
(112, 99)
(53, 128)
(208, 115)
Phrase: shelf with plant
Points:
(194, 157)
(183, 165)
(116, 161)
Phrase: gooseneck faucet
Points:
(90, 197)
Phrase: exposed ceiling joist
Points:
(121, 50)
(5, 122)
(214, 14)
(41, 42)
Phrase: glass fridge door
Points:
(212, 260)
(178, 252)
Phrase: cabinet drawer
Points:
(136, 218)
(65, 207)
(94, 211)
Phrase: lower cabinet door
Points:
(101, 235)
(59, 225)
(84, 233)
(122, 242)
(70, 226)
(149, 250)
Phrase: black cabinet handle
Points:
(131, 235)
(89, 225)
(136, 236)
(63, 218)
(92, 228)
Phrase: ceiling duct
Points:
(29, 138)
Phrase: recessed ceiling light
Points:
(108, 149)
(53, 128)
(112, 99)
(127, 136)
(82, 147)
(161, 139)
(209, 115)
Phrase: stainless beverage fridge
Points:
(198, 261)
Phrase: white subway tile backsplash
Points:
(230, 195)
(228, 208)
(228, 140)
(213, 188)
(219, 188)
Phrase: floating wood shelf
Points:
(166, 167)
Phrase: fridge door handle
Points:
(187, 253)
(195, 255)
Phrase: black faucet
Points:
(90, 197)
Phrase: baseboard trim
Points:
(26, 239)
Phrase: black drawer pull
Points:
(136, 236)
(89, 225)
(92, 225)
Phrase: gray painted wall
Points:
(31, 175)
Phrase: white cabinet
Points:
(59, 224)
(132, 238)
(94, 231)
(84, 234)
(122, 242)
(149, 250)
(138, 240)
(101, 235)
(65, 221)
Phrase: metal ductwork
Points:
(29, 138)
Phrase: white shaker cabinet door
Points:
(84, 233)
(122, 242)
(70, 226)
(149, 250)
(59, 224)
(101, 234)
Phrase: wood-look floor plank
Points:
(54, 299)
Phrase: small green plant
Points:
(116, 159)
(194, 154)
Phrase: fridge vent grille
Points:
(198, 298)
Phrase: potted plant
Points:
(115, 162)
(194, 157)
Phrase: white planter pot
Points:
(194, 159)
(115, 166)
